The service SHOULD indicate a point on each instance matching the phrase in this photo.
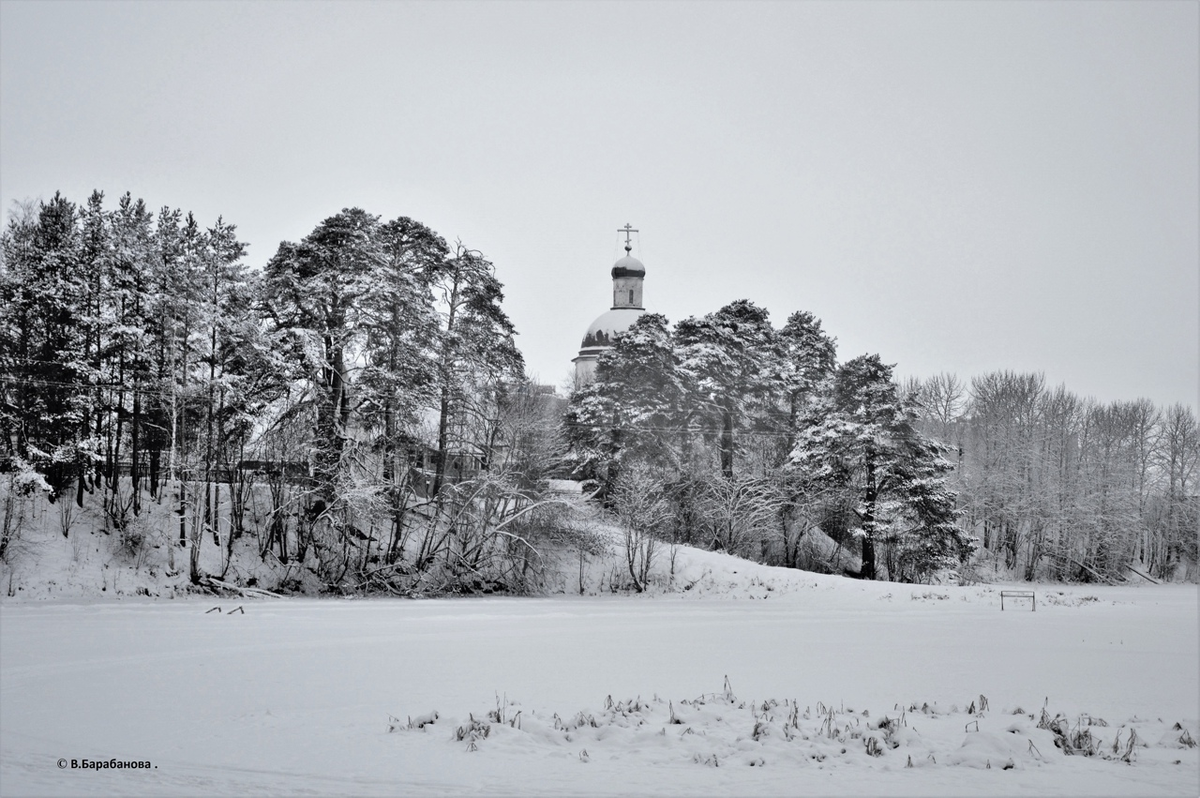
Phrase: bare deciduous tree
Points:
(643, 511)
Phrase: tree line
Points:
(726, 432)
(1060, 487)
(358, 408)
(358, 405)
(751, 437)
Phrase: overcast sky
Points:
(959, 187)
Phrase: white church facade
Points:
(628, 273)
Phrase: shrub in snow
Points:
(1185, 739)
(472, 731)
(25, 480)
(421, 721)
(1177, 737)
(132, 537)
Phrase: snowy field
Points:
(834, 687)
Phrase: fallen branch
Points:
(245, 592)
(396, 566)
(534, 506)
(1142, 575)
(1091, 571)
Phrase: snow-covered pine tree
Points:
(41, 289)
(862, 443)
(809, 358)
(314, 296)
(314, 290)
(385, 323)
(634, 409)
(245, 374)
(167, 303)
(732, 367)
(95, 253)
(476, 354)
(400, 367)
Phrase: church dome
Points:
(628, 274)
(628, 266)
(605, 329)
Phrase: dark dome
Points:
(628, 266)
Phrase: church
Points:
(627, 276)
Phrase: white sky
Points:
(958, 187)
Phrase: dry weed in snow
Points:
(722, 730)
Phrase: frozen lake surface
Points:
(294, 696)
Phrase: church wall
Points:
(585, 370)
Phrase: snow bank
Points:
(719, 729)
(292, 696)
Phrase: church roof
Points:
(605, 328)
(628, 266)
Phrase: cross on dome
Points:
(627, 229)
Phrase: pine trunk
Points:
(870, 496)
(727, 443)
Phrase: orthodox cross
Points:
(627, 229)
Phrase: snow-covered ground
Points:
(579, 695)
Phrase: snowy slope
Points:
(314, 696)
